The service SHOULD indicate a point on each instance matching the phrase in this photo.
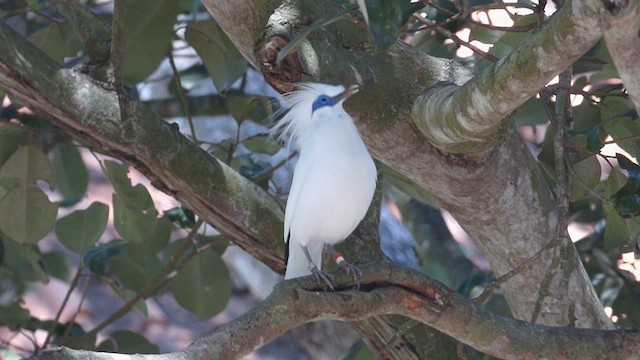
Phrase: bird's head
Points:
(309, 103)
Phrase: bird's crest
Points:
(297, 109)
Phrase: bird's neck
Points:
(330, 131)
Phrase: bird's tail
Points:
(297, 264)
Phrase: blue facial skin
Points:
(322, 101)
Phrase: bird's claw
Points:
(354, 270)
(323, 278)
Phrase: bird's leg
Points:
(349, 268)
(321, 276)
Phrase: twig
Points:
(493, 285)
(56, 319)
(456, 39)
(85, 288)
(117, 41)
(151, 287)
(93, 32)
(583, 183)
(562, 117)
(467, 44)
(35, 8)
(183, 97)
(273, 169)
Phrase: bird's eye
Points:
(321, 101)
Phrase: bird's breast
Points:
(335, 189)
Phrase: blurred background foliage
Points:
(179, 62)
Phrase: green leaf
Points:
(56, 264)
(627, 199)
(182, 216)
(619, 232)
(135, 217)
(531, 113)
(80, 230)
(26, 214)
(148, 30)
(614, 183)
(139, 226)
(594, 140)
(72, 177)
(632, 168)
(57, 41)
(621, 122)
(257, 108)
(385, 19)
(24, 262)
(128, 342)
(223, 61)
(136, 197)
(14, 316)
(485, 34)
(202, 286)
(623, 131)
(190, 78)
(262, 144)
(125, 295)
(585, 178)
(28, 165)
(11, 138)
(135, 270)
(626, 306)
(586, 116)
(96, 258)
(5, 186)
(607, 72)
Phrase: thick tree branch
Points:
(74, 101)
(252, 15)
(389, 289)
(621, 23)
(93, 32)
(457, 120)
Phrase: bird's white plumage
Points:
(334, 180)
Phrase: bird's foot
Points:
(323, 278)
(348, 268)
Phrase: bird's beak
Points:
(351, 90)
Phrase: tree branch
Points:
(460, 120)
(93, 32)
(390, 289)
(621, 23)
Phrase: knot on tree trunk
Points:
(281, 76)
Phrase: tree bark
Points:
(621, 23)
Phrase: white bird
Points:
(333, 182)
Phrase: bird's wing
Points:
(299, 175)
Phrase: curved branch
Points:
(459, 119)
(389, 289)
(241, 20)
(621, 23)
